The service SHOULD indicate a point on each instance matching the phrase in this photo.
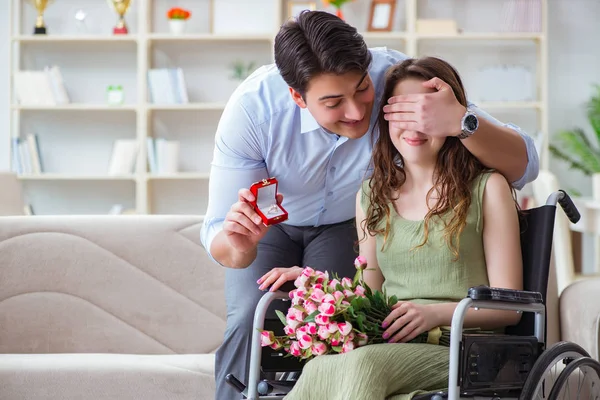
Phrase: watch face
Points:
(471, 123)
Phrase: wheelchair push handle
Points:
(568, 206)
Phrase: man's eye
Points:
(335, 105)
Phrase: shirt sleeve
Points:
(533, 164)
(238, 161)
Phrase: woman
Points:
(433, 222)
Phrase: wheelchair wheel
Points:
(545, 371)
(584, 373)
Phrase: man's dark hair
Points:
(318, 42)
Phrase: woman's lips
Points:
(414, 141)
(352, 123)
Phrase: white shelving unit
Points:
(76, 139)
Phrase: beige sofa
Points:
(131, 307)
(107, 307)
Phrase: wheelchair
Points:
(515, 365)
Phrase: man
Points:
(309, 121)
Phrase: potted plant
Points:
(338, 6)
(574, 146)
(177, 19)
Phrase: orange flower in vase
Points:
(338, 6)
(177, 19)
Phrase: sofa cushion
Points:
(108, 284)
(107, 376)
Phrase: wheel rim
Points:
(542, 390)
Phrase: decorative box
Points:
(265, 205)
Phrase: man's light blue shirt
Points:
(263, 133)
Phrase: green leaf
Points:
(311, 317)
(281, 316)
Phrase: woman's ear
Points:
(298, 99)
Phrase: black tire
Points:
(545, 361)
(563, 378)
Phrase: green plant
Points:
(242, 70)
(574, 147)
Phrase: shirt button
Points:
(330, 193)
(324, 210)
(332, 169)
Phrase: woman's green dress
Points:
(428, 274)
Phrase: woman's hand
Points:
(278, 276)
(408, 320)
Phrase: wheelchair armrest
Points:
(504, 295)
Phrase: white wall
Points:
(4, 79)
(574, 66)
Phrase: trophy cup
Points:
(40, 6)
(120, 6)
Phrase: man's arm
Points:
(505, 148)
(237, 163)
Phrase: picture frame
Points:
(381, 15)
(296, 7)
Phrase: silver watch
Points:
(468, 124)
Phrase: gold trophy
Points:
(120, 6)
(40, 6)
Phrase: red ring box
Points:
(265, 205)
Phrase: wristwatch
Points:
(468, 124)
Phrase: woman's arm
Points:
(367, 248)
(502, 246)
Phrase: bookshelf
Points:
(76, 138)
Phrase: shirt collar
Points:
(308, 123)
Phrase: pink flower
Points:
(301, 281)
(308, 272)
(266, 338)
(303, 330)
(324, 332)
(311, 328)
(292, 323)
(359, 291)
(348, 293)
(345, 303)
(332, 327)
(338, 295)
(360, 263)
(321, 319)
(318, 286)
(345, 328)
(288, 330)
(328, 298)
(335, 341)
(333, 284)
(317, 295)
(347, 283)
(318, 348)
(321, 276)
(276, 345)
(327, 309)
(294, 313)
(295, 349)
(363, 339)
(348, 346)
(310, 307)
(305, 341)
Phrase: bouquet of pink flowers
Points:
(329, 315)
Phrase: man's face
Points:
(341, 104)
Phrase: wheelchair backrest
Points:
(537, 228)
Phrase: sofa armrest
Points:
(580, 313)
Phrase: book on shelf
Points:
(163, 156)
(40, 88)
(124, 157)
(167, 86)
(25, 153)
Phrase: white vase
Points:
(177, 26)
(596, 186)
